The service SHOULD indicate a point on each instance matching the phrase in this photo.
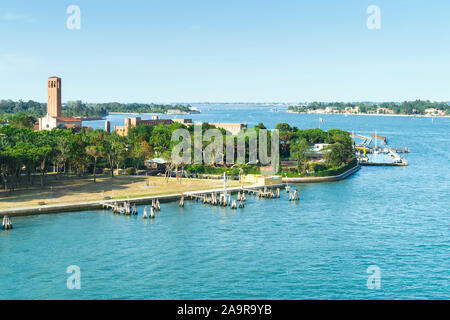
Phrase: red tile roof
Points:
(69, 125)
(68, 119)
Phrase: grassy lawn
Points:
(76, 190)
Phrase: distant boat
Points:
(274, 110)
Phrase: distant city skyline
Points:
(234, 51)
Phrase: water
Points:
(396, 218)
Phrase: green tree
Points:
(114, 148)
(78, 157)
(299, 152)
(140, 133)
(260, 126)
(21, 120)
(161, 138)
(141, 152)
(62, 149)
(286, 134)
(95, 152)
(283, 127)
(336, 155)
(345, 140)
(45, 141)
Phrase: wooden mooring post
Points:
(7, 224)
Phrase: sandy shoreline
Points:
(98, 204)
(75, 190)
(163, 197)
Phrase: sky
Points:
(226, 51)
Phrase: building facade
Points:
(54, 97)
(233, 128)
(154, 121)
(48, 122)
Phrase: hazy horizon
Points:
(255, 51)
(227, 102)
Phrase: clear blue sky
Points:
(190, 51)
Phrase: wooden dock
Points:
(398, 161)
(404, 163)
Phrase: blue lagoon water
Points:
(396, 218)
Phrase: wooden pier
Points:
(127, 208)
(218, 197)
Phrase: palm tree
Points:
(95, 152)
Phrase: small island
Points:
(43, 164)
(409, 108)
(48, 165)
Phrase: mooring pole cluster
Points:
(6, 224)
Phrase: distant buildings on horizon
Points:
(233, 128)
(54, 118)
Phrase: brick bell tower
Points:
(54, 97)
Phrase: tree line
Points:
(84, 110)
(407, 107)
(27, 155)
